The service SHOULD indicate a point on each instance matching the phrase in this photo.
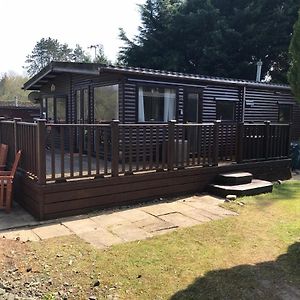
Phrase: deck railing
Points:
(59, 152)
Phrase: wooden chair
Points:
(6, 184)
(3, 156)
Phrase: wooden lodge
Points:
(92, 93)
(116, 135)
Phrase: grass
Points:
(253, 256)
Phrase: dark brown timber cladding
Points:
(212, 94)
(262, 105)
(71, 198)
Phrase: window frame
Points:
(92, 99)
(155, 86)
(233, 111)
(199, 92)
(45, 108)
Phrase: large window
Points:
(225, 110)
(284, 113)
(106, 103)
(156, 104)
(55, 109)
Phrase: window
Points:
(284, 113)
(55, 109)
(225, 111)
(50, 109)
(156, 104)
(61, 111)
(106, 103)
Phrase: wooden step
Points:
(234, 178)
(249, 189)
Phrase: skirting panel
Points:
(72, 198)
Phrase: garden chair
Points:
(6, 184)
(3, 156)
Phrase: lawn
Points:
(255, 255)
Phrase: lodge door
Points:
(193, 106)
(82, 116)
(192, 114)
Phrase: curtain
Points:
(141, 110)
(169, 105)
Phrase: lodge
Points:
(114, 135)
(93, 93)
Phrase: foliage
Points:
(11, 88)
(294, 71)
(100, 57)
(213, 37)
(48, 49)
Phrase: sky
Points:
(85, 22)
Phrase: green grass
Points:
(253, 256)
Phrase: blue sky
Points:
(84, 22)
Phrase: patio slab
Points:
(119, 225)
(18, 217)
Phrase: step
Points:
(249, 189)
(234, 178)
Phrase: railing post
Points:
(115, 148)
(171, 140)
(16, 120)
(267, 139)
(215, 158)
(239, 142)
(41, 150)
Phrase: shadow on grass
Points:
(286, 191)
(278, 279)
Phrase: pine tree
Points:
(294, 71)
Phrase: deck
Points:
(69, 169)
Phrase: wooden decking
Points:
(73, 168)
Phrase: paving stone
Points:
(209, 214)
(210, 210)
(205, 199)
(50, 231)
(133, 215)
(108, 220)
(101, 238)
(196, 214)
(159, 209)
(130, 232)
(24, 235)
(153, 224)
(179, 220)
(81, 226)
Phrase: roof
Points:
(56, 68)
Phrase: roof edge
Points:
(206, 79)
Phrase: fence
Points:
(59, 152)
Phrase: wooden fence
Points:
(60, 152)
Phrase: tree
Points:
(213, 37)
(11, 88)
(100, 57)
(47, 50)
(294, 71)
(79, 55)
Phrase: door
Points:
(82, 107)
(82, 116)
(193, 106)
(192, 114)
